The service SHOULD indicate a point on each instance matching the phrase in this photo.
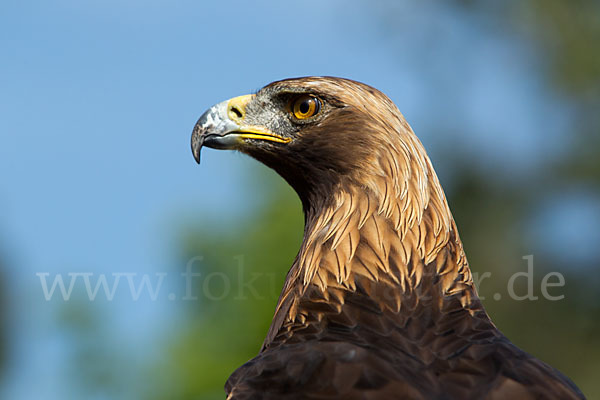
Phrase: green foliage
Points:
(491, 214)
(242, 271)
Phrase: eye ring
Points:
(305, 106)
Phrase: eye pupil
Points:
(305, 106)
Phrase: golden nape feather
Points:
(379, 303)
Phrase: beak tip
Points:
(197, 141)
(196, 152)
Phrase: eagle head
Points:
(316, 132)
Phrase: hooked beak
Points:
(223, 127)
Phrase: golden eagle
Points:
(379, 302)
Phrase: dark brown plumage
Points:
(379, 303)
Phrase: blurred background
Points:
(97, 181)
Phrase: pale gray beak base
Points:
(211, 130)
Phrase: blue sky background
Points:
(97, 103)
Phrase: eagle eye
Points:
(305, 106)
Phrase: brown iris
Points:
(305, 106)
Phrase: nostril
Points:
(236, 112)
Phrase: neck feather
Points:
(396, 231)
